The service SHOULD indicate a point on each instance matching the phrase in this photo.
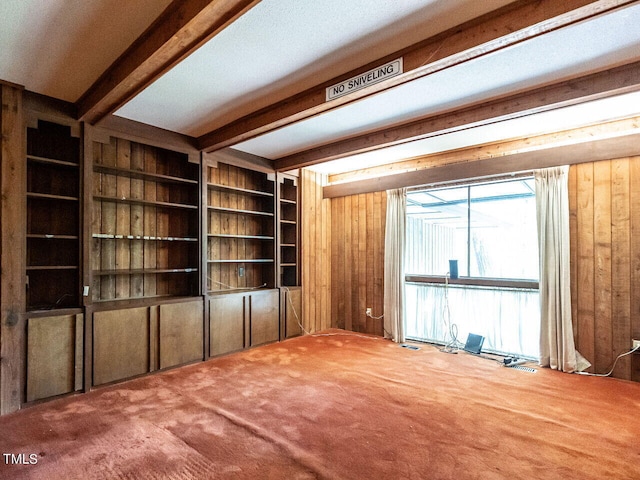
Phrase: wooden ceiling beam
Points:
(502, 148)
(512, 24)
(616, 81)
(184, 26)
(589, 151)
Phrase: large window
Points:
(489, 229)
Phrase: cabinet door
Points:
(180, 333)
(226, 323)
(265, 314)
(120, 344)
(54, 356)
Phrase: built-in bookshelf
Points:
(145, 222)
(53, 217)
(240, 228)
(288, 224)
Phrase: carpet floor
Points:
(335, 406)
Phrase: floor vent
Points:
(410, 347)
(526, 369)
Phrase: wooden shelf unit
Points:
(288, 230)
(53, 217)
(240, 226)
(145, 224)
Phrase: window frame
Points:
(519, 284)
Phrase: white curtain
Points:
(394, 245)
(557, 347)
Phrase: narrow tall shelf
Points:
(53, 217)
(145, 226)
(240, 228)
(289, 233)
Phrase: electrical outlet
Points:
(368, 312)
(635, 343)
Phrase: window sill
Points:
(474, 281)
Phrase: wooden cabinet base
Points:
(133, 341)
(120, 344)
(54, 355)
(243, 319)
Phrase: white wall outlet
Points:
(368, 312)
(635, 343)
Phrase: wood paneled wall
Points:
(316, 254)
(605, 261)
(604, 202)
(357, 261)
(12, 245)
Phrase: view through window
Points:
(490, 230)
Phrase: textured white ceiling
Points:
(579, 49)
(281, 47)
(60, 47)
(590, 113)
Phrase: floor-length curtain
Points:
(394, 245)
(557, 347)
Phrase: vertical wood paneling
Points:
(325, 277)
(573, 231)
(634, 253)
(585, 257)
(620, 282)
(348, 264)
(12, 238)
(357, 224)
(316, 253)
(602, 261)
(337, 262)
(605, 253)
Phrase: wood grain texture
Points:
(291, 311)
(226, 323)
(120, 344)
(602, 263)
(52, 348)
(634, 263)
(12, 238)
(605, 214)
(180, 332)
(455, 46)
(183, 27)
(316, 245)
(357, 248)
(264, 317)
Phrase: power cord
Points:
(305, 332)
(614, 364)
(295, 313)
(236, 288)
(453, 345)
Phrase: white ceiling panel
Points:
(579, 49)
(60, 47)
(576, 116)
(282, 47)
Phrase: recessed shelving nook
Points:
(53, 217)
(240, 218)
(288, 221)
(145, 223)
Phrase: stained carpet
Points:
(338, 406)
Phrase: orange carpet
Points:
(337, 407)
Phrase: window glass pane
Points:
(436, 230)
(490, 229)
(503, 235)
(508, 319)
